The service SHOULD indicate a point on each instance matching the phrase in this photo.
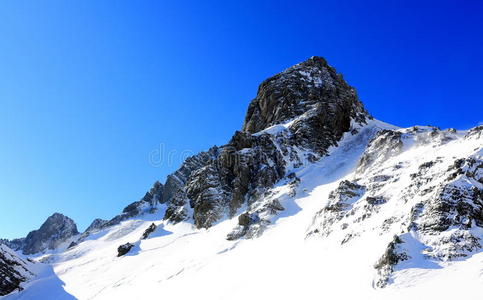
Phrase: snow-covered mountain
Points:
(313, 198)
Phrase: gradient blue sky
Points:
(88, 89)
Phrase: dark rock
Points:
(148, 231)
(124, 249)
(72, 245)
(391, 257)
(246, 222)
(246, 219)
(178, 179)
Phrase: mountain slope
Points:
(313, 196)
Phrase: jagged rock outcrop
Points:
(14, 271)
(296, 116)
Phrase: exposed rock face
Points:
(178, 179)
(13, 271)
(177, 185)
(296, 116)
(430, 204)
(311, 87)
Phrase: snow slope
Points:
(285, 262)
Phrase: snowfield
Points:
(285, 262)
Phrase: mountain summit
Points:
(311, 89)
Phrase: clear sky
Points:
(90, 90)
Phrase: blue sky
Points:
(89, 90)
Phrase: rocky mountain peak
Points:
(53, 232)
(293, 120)
(312, 87)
